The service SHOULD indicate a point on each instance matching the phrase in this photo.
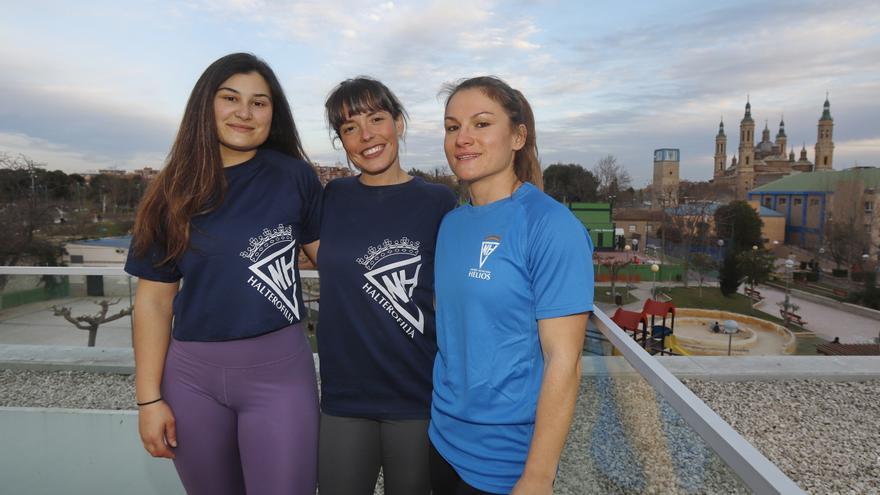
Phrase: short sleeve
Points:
(560, 265)
(147, 266)
(311, 201)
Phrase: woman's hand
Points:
(531, 486)
(157, 429)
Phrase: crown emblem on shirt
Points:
(376, 254)
(268, 238)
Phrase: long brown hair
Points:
(192, 181)
(526, 164)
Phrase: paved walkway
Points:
(825, 321)
(35, 324)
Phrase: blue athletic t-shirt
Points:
(499, 269)
(376, 334)
(240, 276)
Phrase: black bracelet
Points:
(139, 404)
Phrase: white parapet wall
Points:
(78, 452)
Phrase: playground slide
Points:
(673, 346)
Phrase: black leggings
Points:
(352, 450)
(445, 481)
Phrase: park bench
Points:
(754, 294)
(792, 317)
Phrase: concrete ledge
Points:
(79, 452)
(742, 368)
(774, 368)
(722, 368)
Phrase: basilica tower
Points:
(720, 150)
(746, 164)
(781, 138)
(824, 144)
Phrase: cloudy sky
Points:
(94, 84)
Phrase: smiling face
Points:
(243, 113)
(480, 142)
(371, 141)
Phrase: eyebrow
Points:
(239, 92)
(472, 116)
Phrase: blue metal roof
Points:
(115, 242)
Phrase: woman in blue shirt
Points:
(514, 284)
(376, 337)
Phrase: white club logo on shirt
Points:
(487, 247)
(391, 283)
(275, 269)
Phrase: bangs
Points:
(357, 96)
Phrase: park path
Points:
(825, 321)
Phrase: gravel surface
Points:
(825, 435)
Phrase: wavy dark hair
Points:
(361, 94)
(192, 180)
(526, 164)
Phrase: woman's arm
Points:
(311, 250)
(153, 310)
(562, 341)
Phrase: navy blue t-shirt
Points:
(240, 276)
(376, 337)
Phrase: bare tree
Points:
(91, 323)
(703, 264)
(612, 177)
(847, 237)
(691, 221)
(614, 265)
(22, 214)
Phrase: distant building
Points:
(146, 173)
(596, 217)
(638, 223)
(806, 202)
(665, 186)
(326, 174)
(108, 251)
(755, 165)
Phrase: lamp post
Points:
(789, 264)
(720, 249)
(754, 268)
(654, 268)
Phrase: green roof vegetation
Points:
(824, 181)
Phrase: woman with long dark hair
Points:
(229, 393)
(514, 284)
(376, 335)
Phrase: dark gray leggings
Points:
(351, 451)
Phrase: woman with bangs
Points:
(514, 284)
(376, 337)
(230, 391)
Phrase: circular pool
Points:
(756, 337)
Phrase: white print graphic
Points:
(488, 246)
(392, 284)
(486, 249)
(275, 270)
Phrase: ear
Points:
(519, 137)
(400, 126)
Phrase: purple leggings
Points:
(246, 413)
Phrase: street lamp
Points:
(720, 250)
(654, 268)
(789, 264)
